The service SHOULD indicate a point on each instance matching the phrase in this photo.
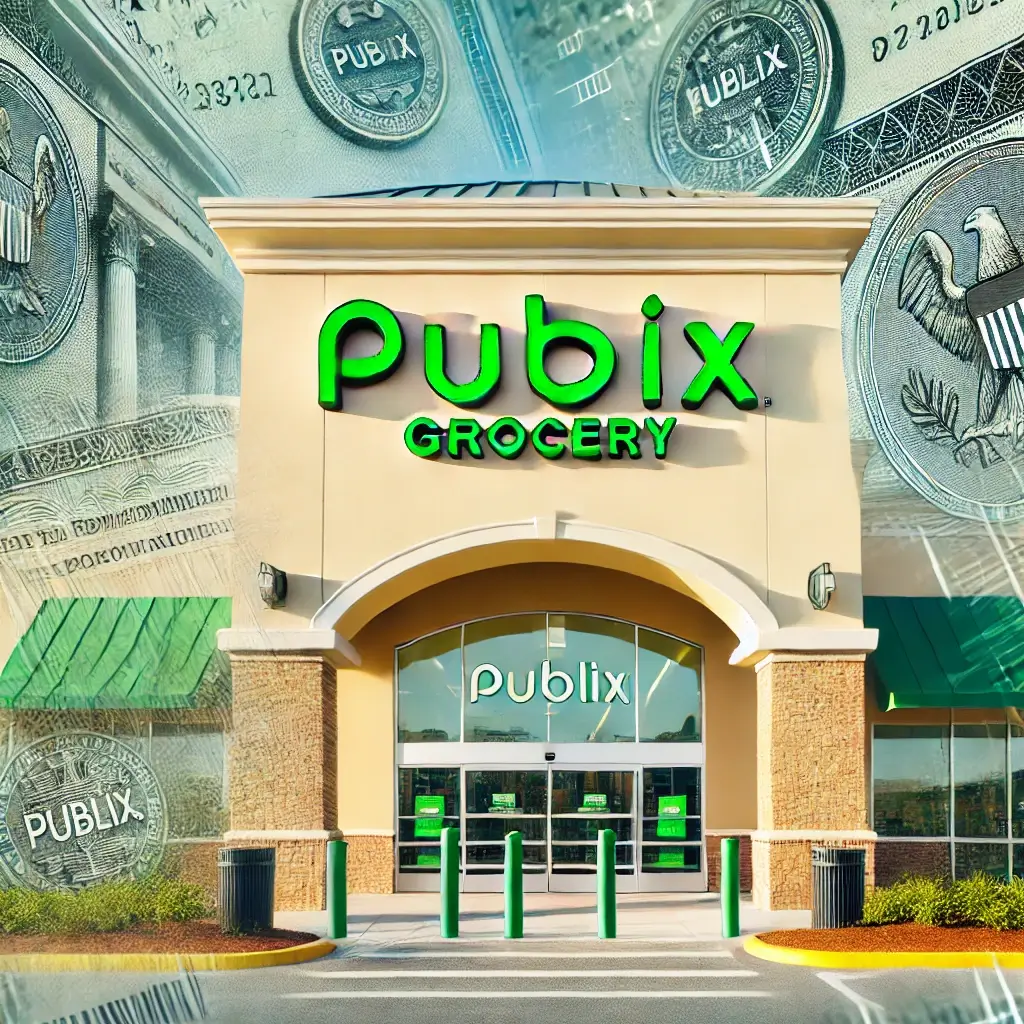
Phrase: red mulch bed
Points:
(899, 938)
(171, 937)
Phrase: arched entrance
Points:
(556, 725)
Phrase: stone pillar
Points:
(202, 366)
(284, 767)
(811, 780)
(117, 390)
(150, 358)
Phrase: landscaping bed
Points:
(898, 938)
(201, 936)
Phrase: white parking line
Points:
(640, 954)
(632, 973)
(382, 938)
(463, 994)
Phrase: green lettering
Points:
(465, 434)
(622, 435)
(542, 336)
(586, 438)
(336, 371)
(423, 437)
(718, 371)
(497, 437)
(650, 360)
(476, 392)
(660, 433)
(547, 428)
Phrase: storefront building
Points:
(565, 503)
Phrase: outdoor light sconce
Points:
(820, 585)
(273, 585)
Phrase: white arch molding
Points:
(719, 589)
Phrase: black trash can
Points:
(837, 881)
(245, 889)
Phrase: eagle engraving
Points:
(23, 208)
(929, 292)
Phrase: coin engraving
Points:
(43, 224)
(79, 808)
(744, 88)
(373, 70)
(950, 423)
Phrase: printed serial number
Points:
(926, 25)
(240, 89)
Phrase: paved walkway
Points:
(409, 917)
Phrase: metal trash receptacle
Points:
(245, 879)
(837, 886)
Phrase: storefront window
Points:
(189, 761)
(1017, 781)
(669, 673)
(600, 656)
(502, 663)
(987, 858)
(979, 779)
(911, 780)
(549, 678)
(430, 689)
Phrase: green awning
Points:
(961, 652)
(106, 652)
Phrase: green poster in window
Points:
(503, 803)
(594, 803)
(428, 860)
(671, 817)
(671, 859)
(429, 812)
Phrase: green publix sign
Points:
(551, 438)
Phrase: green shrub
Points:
(980, 901)
(109, 907)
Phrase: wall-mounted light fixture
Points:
(273, 585)
(820, 584)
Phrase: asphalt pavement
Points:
(668, 963)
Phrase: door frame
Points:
(541, 881)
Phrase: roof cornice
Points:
(499, 235)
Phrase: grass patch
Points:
(980, 901)
(109, 907)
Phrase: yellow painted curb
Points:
(879, 961)
(146, 962)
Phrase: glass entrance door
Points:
(498, 802)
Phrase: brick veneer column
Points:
(283, 768)
(811, 786)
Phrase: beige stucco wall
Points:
(769, 494)
(366, 731)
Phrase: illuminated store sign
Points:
(590, 685)
(583, 437)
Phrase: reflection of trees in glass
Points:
(906, 811)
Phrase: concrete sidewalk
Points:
(414, 917)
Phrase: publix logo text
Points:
(590, 685)
(584, 437)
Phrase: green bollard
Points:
(449, 883)
(606, 884)
(514, 885)
(337, 889)
(730, 886)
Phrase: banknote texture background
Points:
(120, 314)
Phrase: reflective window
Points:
(503, 660)
(593, 699)
(430, 689)
(987, 858)
(428, 801)
(549, 677)
(669, 673)
(189, 761)
(979, 781)
(911, 780)
(1017, 781)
